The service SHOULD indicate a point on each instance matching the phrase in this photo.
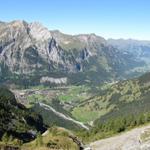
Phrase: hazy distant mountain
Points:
(140, 48)
(29, 53)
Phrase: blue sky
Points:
(107, 18)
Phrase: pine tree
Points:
(5, 138)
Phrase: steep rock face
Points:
(25, 47)
(30, 49)
(13, 39)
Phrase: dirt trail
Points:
(126, 141)
(63, 116)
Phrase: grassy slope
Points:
(120, 98)
(55, 138)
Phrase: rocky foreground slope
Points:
(136, 139)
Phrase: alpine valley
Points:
(61, 91)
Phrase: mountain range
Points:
(30, 54)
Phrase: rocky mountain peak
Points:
(17, 23)
(39, 32)
(91, 38)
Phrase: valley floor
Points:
(135, 139)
